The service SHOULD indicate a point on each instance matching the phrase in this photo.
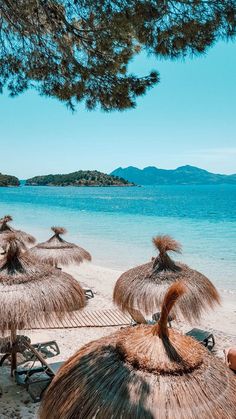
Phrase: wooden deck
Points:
(85, 318)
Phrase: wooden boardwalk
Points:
(85, 318)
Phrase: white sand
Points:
(16, 403)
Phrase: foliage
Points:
(79, 50)
(80, 178)
(7, 180)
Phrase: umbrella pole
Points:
(13, 352)
(137, 316)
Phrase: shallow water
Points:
(116, 224)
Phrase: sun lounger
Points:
(88, 293)
(6, 347)
(38, 374)
(37, 379)
(204, 337)
(156, 318)
(138, 318)
(46, 349)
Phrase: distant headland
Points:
(80, 178)
(8, 180)
(129, 176)
(184, 175)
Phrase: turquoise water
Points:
(117, 224)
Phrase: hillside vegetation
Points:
(8, 180)
(184, 175)
(80, 178)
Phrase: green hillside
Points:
(7, 180)
(80, 178)
(184, 175)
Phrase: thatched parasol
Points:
(58, 251)
(5, 229)
(29, 290)
(143, 287)
(149, 372)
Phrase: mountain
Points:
(8, 180)
(80, 178)
(184, 175)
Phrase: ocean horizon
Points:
(116, 224)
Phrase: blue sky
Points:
(189, 118)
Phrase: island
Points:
(80, 178)
(8, 180)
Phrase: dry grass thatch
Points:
(5, 229)
(58, 251)
(29, 289)
(143, 372)
(143, 287)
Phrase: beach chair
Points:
(156, 317)
(37, 378)
(6, 347)
(138, 318)
(88, 293)
(204, 337)
(46, 349)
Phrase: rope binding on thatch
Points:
(13, 251)
(58, 230)
(163, 262)
(6, 219)
(3, 223)
(173, 294)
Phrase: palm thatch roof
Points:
(149, 372)
(29, 289)
(143, 287)
(5, 229)
(58, 251)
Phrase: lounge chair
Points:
(46, 349)
(204, 337)
(6, 347)
(156, 317)
(138, 318)
(37, 378)
(88, 293)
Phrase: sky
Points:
(188, 118)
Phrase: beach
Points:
(116, 226)
(15, 401)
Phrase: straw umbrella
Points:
(58, 251)
(29, 290)
(5, 229)
(149, 372)
(143, 287)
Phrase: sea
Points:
(117, 224)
